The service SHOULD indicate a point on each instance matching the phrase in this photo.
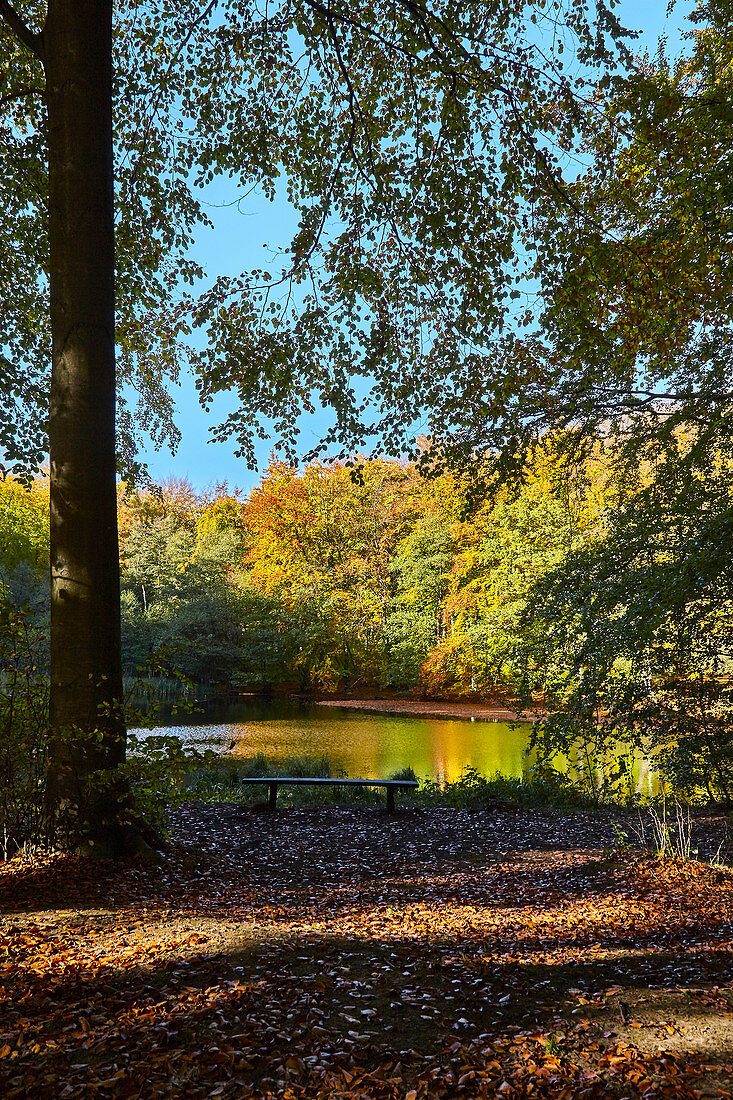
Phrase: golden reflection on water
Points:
(374, 746)
(366, 745)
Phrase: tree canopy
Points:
(416, 144)
(629, 333)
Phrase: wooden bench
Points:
(281, 780)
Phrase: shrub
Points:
(158, 768)
(543, 787)
(23, 729)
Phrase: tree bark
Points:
(87, 725)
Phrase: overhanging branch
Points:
(19, 93)
(24, 35)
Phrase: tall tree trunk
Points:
(88, 733)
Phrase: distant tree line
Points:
(335, 577)
(338, 578)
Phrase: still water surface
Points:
(363, 744)
(374, 746)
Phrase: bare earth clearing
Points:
(415, 708)
(336, 952)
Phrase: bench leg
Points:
(390, 800)
(273, 795)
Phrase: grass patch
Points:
(220, 782)
(471, 789)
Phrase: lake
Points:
(371, 745)
(367, 745)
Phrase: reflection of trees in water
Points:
(372, 746)
(616, 772)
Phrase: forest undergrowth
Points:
(338, 952)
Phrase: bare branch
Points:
(19, 93)
(24, 35)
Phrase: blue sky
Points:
(238, 242)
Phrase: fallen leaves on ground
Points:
(340, 953)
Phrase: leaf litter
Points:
(340, 953)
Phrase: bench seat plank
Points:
(274, 781)
(332, 782)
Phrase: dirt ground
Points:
(338, 952)
(480, 712)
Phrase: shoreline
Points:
(414, 708)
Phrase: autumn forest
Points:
(464, 272)
(361, 576)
